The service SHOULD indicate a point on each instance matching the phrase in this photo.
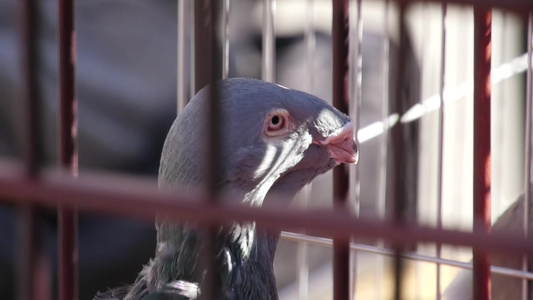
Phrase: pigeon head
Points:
(273, 141)
(269, 134)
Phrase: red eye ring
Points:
(277, 123)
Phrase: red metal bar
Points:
(208, 70)
(30, 89)
(138, 198)
(518, 6)
(27, 244)
(67, 108)
(482, 149)
(341, 247)
(399, 104)
(27, 253)
(68, 159)
(206, 55)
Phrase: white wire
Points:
(225, 39)
(325, 242)
(356, 39)
(440, 160)
(302, 276)
(528, 151)
(269, 41)
(183, 66)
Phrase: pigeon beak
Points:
(341, 145)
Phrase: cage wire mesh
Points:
(411, 75)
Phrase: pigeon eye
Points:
(277, 123)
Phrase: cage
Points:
(440, 95)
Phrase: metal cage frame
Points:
(27, 185)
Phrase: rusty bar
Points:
(482, 149)
(207, 60)
(440, 159)
(202, 45)
(68, 159)
(30, 89)
(341, 247)
(518, 6)
(526, 293)
(398, 143)
(35, 282)
(208, 71)
(26, 285)
(140, 198)
(28, 249)
(398, 104)
(383, 153)
(68, 253)
(67, 109)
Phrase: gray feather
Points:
(255, 167)
(502, 286)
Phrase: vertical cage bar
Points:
(191, 47)
(207, 67)
(30, 89)
(268, 71)
(27, 253)
(184, 29)
(482, 149)
(28, 249)
(382, 186)
(303, 269)
(310, 43)
(341, 247)
(356, 93)
(225, 39)
(302, 275)
(527, 176)
(440, 159)
(68, 159)
(68, 106)
(399, 104)
(208, 71)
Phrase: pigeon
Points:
(502, 286)
(273, 141)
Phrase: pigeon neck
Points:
(244, 250)
(250, 259)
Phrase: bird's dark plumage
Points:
(274, 141)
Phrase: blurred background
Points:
(126, 80)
